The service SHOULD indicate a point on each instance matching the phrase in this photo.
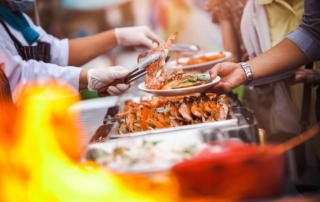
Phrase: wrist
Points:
(83, 80)
(247, 72)
(117, 35)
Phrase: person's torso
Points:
(282, 18)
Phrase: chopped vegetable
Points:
(148, 155)
(199, 77)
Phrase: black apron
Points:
(41, 52)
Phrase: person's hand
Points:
(305, 76)
(140, 37)
(232, 75)
(98, 78)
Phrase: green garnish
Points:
(202, 77)
(155, 143)
(199, 77)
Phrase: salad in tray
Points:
(147, 156)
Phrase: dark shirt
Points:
(307, 36)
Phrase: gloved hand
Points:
(97, 78)
(140, 37)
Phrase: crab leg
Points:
(185, 110)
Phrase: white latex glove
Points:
(98, 78)
(140, 37)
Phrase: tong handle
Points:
(136, 74)
(144, 62)
(185, 48)
(103, 92)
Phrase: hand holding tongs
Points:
(135, 73)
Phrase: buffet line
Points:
(208, 142)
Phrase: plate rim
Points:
(228, 55)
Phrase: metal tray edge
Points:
(230, 122)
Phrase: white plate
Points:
(180, 91)
(202, 67)
(271, 79)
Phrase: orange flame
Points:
(40, 155)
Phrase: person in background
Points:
(228, 13)
(28, 53)
(170, 15)
(300, 47)
(264, 24)
(277, 105)
(311, 78)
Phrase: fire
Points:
(40, 155)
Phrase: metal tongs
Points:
(184, 48)
(139, 70)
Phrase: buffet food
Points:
(167, 112)
(147, 155)
(157, 78)
(180, 79)
(157, 71)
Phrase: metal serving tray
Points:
(245, 131)
(230, 122)
(114, 130)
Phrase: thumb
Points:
(147, 42)
(213, 73)
(118, 72)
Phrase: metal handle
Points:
(185, 48)
(144, 62)
(103, 92)
(137, 74)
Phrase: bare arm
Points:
(83, 50)
(230, 39)
(299, 47)
(83, 79)
(282, 57)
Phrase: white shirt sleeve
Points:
(19, 71)
(59, 48)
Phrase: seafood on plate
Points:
(157, 71)
(157, 78)
(198, 59)
(166, 112)
(180, 79)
